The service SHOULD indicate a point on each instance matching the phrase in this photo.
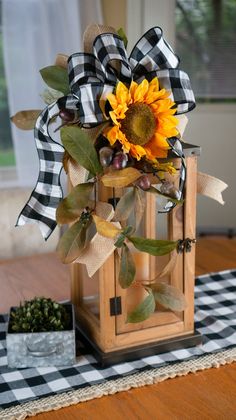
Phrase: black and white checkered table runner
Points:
(215, 316)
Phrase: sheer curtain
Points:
(34, 32)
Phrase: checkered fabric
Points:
(215, 318)
(47, 194)
(91, 78)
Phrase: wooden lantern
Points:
(101, 305)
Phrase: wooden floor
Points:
(210, 394)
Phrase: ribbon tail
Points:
(42, 204)
(210, 187)
(99, 248)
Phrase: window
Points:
(8, 174)
(206, 43)
(7, 158)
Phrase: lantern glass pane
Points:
(90, 294)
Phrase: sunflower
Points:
(142, 118)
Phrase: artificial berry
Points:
(66, 115)
(105, 156)
(144, 182)
(120, 161)
(169, 189)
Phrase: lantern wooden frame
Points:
(110, 338)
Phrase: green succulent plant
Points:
(39, 315)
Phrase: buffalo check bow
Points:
(91, 78)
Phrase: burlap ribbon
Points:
(99, 248)
(210, 187)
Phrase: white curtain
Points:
(34, 32)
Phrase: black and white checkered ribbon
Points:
(91, 78)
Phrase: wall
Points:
(213, 128)
(114, 13)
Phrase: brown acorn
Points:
(67, 115)
(168, 188)
(144, 182)
(105, 156)
(120, 160)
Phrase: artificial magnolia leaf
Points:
(56, 78)
(140, 204)
(65, 160)
(154, 190)
(125, 206)
(71, 207)
(104, 228)
(25, 120)
(51, 95)
(170, 297)
(123, 36)
(143, 310)
(153, 246)
(73, 242)
(121, 238)
(120, 178)
(80, 147)
(128, 230)
(127, 268)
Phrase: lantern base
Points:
(138, 352)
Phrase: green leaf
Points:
(143, 310)
(154, 190)
(123, 36)
(125, 206)
(140, 205)
(56, 78)
(128, 230)
(71, 207)
(25, 120)
(73, 242)
(123, 235)
(80, 147)
(51, 95)
(170, 297)
(127, 268)
(153, 246)
(120, 240)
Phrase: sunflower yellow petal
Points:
(112, 100)
(112, 135)
(122, 93)
(137, 151)
(141, 91)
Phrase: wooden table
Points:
(210, 394)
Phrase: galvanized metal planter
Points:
(53, 348)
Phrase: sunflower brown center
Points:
(139, 124)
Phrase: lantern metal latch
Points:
(185, 245)
(115, 306)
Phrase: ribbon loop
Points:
(111, 52)
(82, 69)
(152, 53)
(45, 198)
